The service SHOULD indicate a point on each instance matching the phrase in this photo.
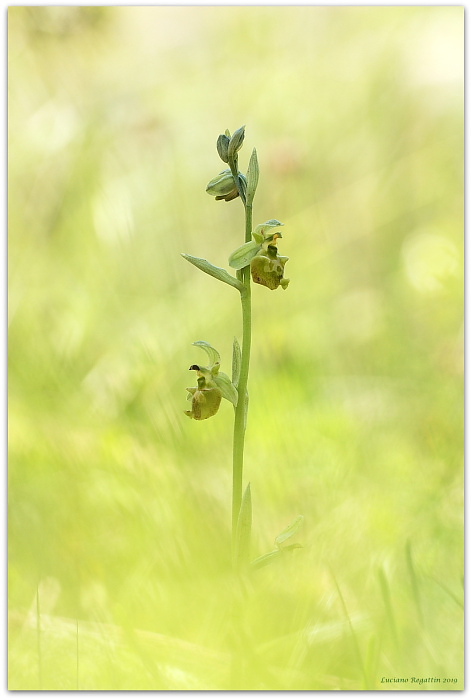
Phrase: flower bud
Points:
(222, 147)
(222, 186)
(236, 142)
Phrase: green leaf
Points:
(243, 529)
(214, 271)
(213, 355)
(246, 406)
(290, 547)
(236, 362)
(252, 176)
(243, 255)
(265, 559)
(289, 531)
(267, 225)
(227, 388)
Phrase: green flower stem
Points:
(240, 410)
(248, 208)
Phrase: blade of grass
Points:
(243, 530)
(385, 589)
(355, 641)
(414, 581)
(77, 652)
(452, 595)
(38, 640)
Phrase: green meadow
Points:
(119, 518)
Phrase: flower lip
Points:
(267, 268)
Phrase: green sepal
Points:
(242, 185)
(227, 388)
(267, 225)
(289, 531)
(252, 176)
(236, 367)
(218, 272)
(213, 355)
(243, 529)
(243, 255)
(222, 185)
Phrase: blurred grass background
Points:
(119, 506)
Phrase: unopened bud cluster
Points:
(267, 266)
(230, 183)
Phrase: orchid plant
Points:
(257, 260)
